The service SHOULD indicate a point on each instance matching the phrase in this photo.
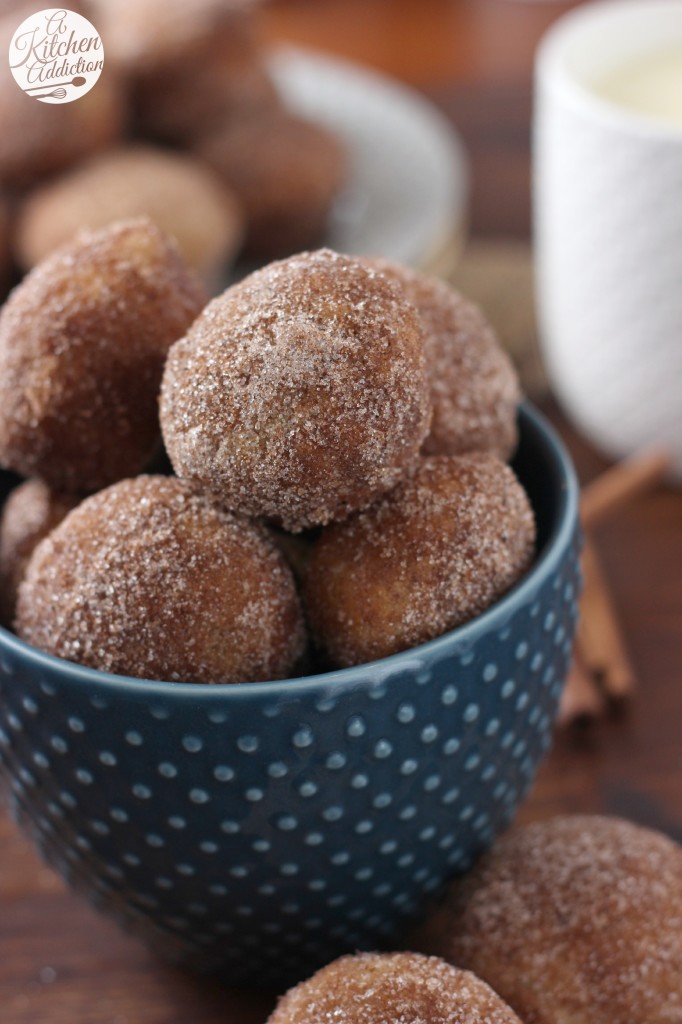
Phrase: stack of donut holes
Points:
(337, 429)
(346, 417)
(185, 125)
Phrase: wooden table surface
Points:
(60, 963)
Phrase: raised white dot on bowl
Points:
(409, 766)
(84, 776)
(68, 799)
(253, 794)
(141, 791)
(223, 773)
(314, 839)
(188, 870)
(489, 672)
(286, 822)
(277, 770)
(336, 760)
(175, 821)
(333, 813)
(360, 781)
(119, 815)
(168, 770)
(208, 846)
(406, 713)
(154, 840)
(134, 738)
(14, 722)
(466, 813)
(317, 885)
(472, 762)
(76, 724)
(248, 744)
(450, 796)
(429, 733)
(382, 890)
(59, 744)
(340, 858)
(107, 758)
(217, 890)
(521, 651)
(238, 871)
(192, 744)
(261, 845)
(383, 749)
(471, 713)
(363, 827)
(356, 727)
(303, 737)
(382, 800)
(289, 870)
(307, 788)
(30, 705)
(229, 827)
(199, 796)
(407, 813)
(217, 717)
(390, 846)
(449, 695)
(451, 746)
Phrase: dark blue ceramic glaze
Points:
(260, 830)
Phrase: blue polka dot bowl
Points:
(259, 830)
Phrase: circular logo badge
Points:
(56, 56)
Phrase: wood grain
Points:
(60, 963)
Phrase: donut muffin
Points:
(177, 192)
(430, 555)
(474, 387)
(146, 579)
(575, 919)
(300, 394)
(286, 172)
(31, 512)
(392, 988)
(83, 341)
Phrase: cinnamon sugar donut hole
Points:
(37, 139)
(286, 172)
(149, 580)
(31, 511)
(299, 394)
(83, 340)
(177, 192)
(474, 387)
(433, 553)
(392, 988)
(192, 67)
(573, 919)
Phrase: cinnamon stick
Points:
(599, 633)
(621, 483)
(581, 700)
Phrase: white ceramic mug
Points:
(608, 231)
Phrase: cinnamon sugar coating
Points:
(392, 988)
(176, 191)
(474, 387)
(286, 172)
(435, 552)
(31, 511)
(149, 580)
(83, 341)
(576, 919)
(299, 394)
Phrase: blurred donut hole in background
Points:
(186, 125)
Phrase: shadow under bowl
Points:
(260, 830)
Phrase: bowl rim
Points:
(462, 637)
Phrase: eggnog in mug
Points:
(648, 85)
